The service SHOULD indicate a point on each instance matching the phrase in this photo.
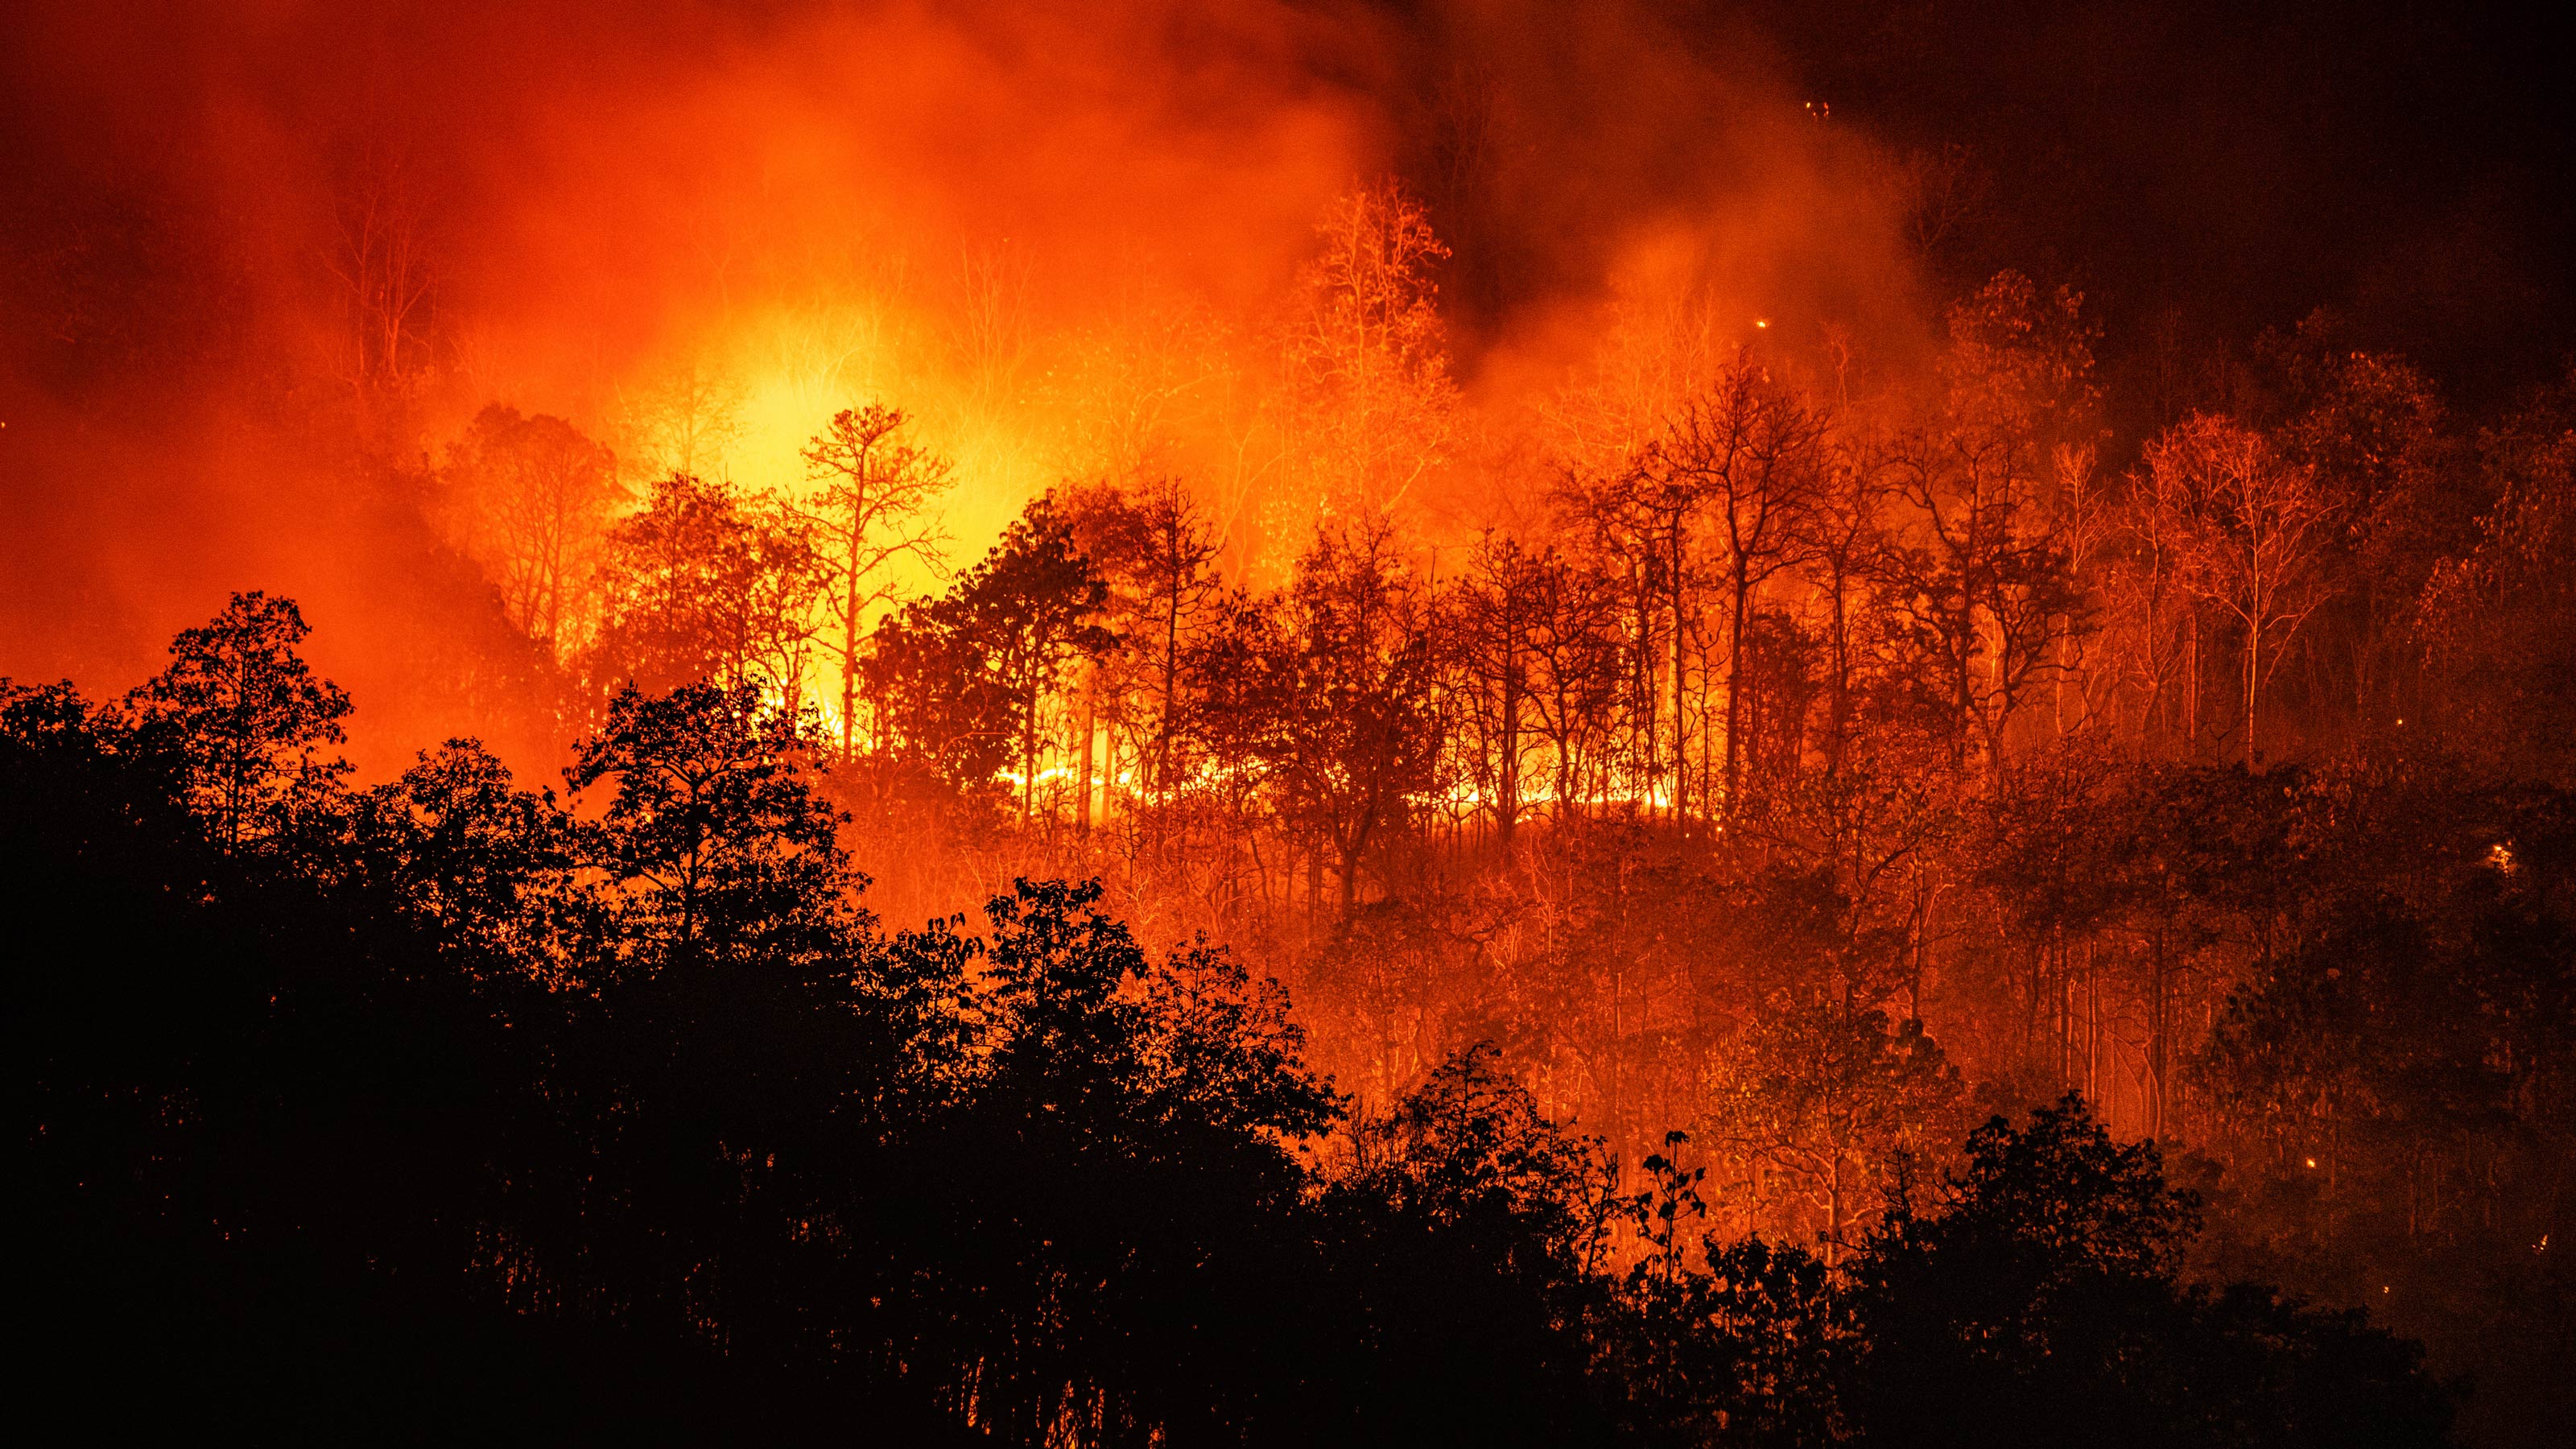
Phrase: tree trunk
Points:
(1090, 724)
(1029, 760)
(1735, 693)
(1171, 687)
(2191, 694)
(1681, 734)
(1842, 681)
(2253, 683)
(850, 661)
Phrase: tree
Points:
(868, 515)
(2261, 536)
(1367, 370)
(714, 842)
(701, 588)
(1752, 1348)
(1470, 1227)
(1122, 1150)
(1578, 664)
(488, 869)
(532, 497)
(1829, 1098)
(1492, 618)
(1469, 1145)
(1156, 551)
(246, 719)
(1673, 501)
(1229, 719)
(1352, 739)
(1034, 602)
(1748, 453)
(1812, 1086)
(935, 709)
(2499, 615)
(2376, 433)
(2153, 600)
(1987, 587)
(979, 667)
(684, 418)
(2045, 1303)
(1085, 1024)
(632, 1104)
(1139, 389)
(387, 259)
(1626, 542)
(1844, 549)
(1390, 991)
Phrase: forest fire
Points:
(1138, 724)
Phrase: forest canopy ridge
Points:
(633, 1107)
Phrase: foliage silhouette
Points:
(443, 1108)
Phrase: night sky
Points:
(2407, 166)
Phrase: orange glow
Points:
(1067, 240)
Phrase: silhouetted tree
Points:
(868, 515)
(1156, 552)
(2046, 1300)
(247, 719)
(1748, 454)
(700, 589)
(715, 843)
(1351, 738)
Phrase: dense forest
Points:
(1804, 788)
(1665, 899)
(445, 1108)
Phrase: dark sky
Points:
(2239, 164)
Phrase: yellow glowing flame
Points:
(777, 373)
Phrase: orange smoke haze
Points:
(1063, 236)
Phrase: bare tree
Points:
(1577, 664)
(1637, 531)
(683, 419)
(2262, 535)
(1367, 367)
(868, 514)
(1844, 549)
(1747, 454)
(1990, 581)
(1495, 615)
(1947, 197)
(2153, 596)
(1134, 392)
(385, 259)
(992, 337)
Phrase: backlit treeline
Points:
(448, 1102)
